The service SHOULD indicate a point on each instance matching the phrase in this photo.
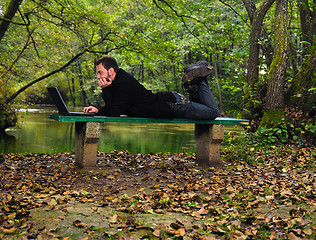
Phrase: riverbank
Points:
(158, 196)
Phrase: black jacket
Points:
(126, 96)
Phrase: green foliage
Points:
(143, 36)
(251, 105)
(270, 136)
(245, 146)
(232, 91)
(306, 131)
(8, 116)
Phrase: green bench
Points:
(208, 134)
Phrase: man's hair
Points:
(107, 62)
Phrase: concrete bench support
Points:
(208, 144)
(87, 137)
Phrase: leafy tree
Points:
(302, 90)
(256, 16)
(268, 71)
(271, 92)
(58, 34)
(276, 80)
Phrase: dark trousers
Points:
(207, 109)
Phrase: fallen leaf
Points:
(9, 231)
(308, 231)
(114, 219)
(292, 236)
(6, 208)
(79, 224)
(157, 233)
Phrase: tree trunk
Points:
(308, 22)
(71, 90)
(276, 80)
(253, 61)
(299, 93)
(266, 45)
(219, 89)
(80, 80)
(8, 16)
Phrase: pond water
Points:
(35, 133)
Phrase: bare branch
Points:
(242, 18)
(180, 16)
(16, 23)
(86, 49)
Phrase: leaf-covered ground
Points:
(158, 196)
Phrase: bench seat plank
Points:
(224, 121)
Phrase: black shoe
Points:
(195, 74)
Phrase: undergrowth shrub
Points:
(247, 144)
(8, 116)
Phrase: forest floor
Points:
(158, 196)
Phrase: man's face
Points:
(104, 76)
(102, 72)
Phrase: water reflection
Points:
(145, 138)
(7, 140)
(38, 134)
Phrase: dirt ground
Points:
(158, 196)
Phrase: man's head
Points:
(107, 62)
(106, 68)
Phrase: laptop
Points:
(61, 106)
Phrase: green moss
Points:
(272, 118)
(300, 93)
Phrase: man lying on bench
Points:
(124, 95)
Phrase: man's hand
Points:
(104, 82)
(90, 109)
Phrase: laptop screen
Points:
(58, 100)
